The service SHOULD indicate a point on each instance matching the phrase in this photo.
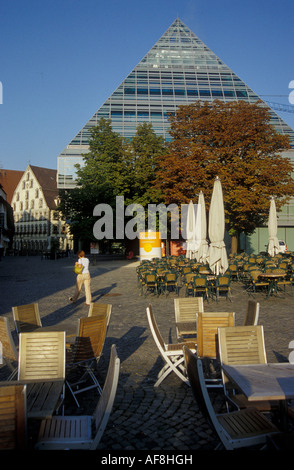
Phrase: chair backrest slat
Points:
(106, 400)
(207, 331)
(97, 308)
(26, 317)
(42, 355)
(252, 313)
(242, 345)
(8, 346)
(155, 330)
(12, 417)
(91, 337)
(186, 309)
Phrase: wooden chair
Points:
(172, 354)
(26, 317)
(97, 309)
(237, 429)
(252, 313)
(242, 345)
(207, 341)
(86, 352)
(41, 356)
(82, 432)
(9, 350)
(186, 312)
(13, 433)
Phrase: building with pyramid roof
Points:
(178, 70)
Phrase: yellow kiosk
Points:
(149, 245)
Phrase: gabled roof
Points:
(9, 179)
(47, 180)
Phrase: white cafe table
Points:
(264, 382)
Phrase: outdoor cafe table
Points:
(272, 277)
(43, 396)
(264, 382)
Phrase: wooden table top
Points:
(261, 382)
(42, 397)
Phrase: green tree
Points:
(112, 167)
(235, 142)
(145, 148)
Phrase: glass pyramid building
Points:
(179, 69)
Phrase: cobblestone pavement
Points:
(165, 418)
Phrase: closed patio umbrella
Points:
(193, 231)
(218, 260)
(273, 242)
(202, 252)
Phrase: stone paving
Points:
(165, 418)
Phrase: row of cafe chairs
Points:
(57, 364)
(245, 426)
(163, 276)
(198, 328)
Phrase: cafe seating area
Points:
(42, 362)
(210, 353)
(257, 273)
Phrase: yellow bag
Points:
(78, 269)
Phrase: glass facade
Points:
(179, 69)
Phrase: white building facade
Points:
(39, 227)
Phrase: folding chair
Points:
(237, 429)
(252, 313)
(186, 312)
(207, 341)
(86, 352)
(172, 354)
(9, 351)
(41, 356)
(26, 317)
(242, 345)
(97, 309)
(13, 432)
(82, 432)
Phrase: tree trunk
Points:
(234, 244)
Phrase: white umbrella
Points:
(217, 254)
(202, 253)
(193, 231)
(273, 242)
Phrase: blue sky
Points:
(61, 59)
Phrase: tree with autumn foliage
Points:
(236, 142)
